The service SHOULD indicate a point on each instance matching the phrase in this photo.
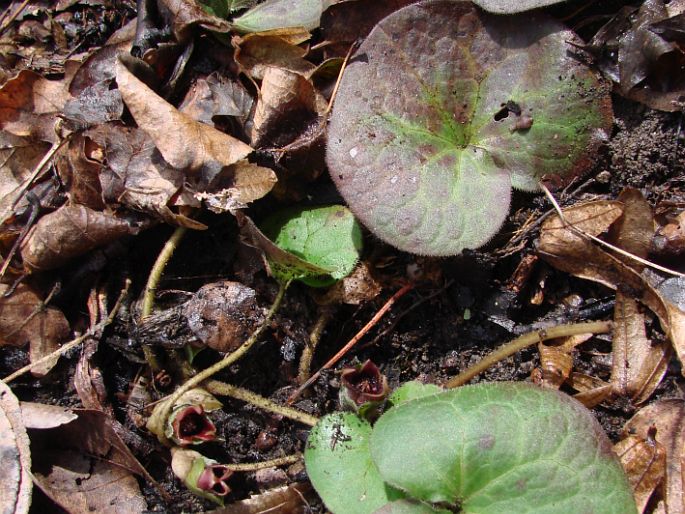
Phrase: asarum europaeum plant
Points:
(204, 477)
(363, 389)
(489, 448)
(445, 108)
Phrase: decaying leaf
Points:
(288, 104)
(24, 318)
(556, 360)
(243, 184)
(15, 472)
(638, 364)
(185, 15)
(255, 53)
(670, 239)
(591, 390)
(183, 142)
(70, 231)
(290, 499)
(356, 288)
(30, 103)
(216, 96)
(644, 461)
(85, 467)
(42, 416)
(665, 421)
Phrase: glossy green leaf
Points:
(340, 468)
(328, 238)
(443, 109)
(282, 14)
(501, 447)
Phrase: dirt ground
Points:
(460, 309)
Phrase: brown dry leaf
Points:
(556, 364)
(634, 230)
(255, 53)
(29, 105)
(183, 142)
(133, 173)
(638, 365)
(570, 252)
(287, 106)
(18, 158)
(290, 499)
(24, 318)
(216, 96)
(644, 461)
(670, 239)
(243, 184)
(591, 390)
(79, 173)
(70, 231)
(86, 468)
(184, 15)
(356, 288)
(668, 418)
(15, 472)
(43, 416)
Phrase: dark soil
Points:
(460, 310)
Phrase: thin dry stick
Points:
(600, 242)
(227, 360)
(224, 389)
(518, 344)
(353, 341)
(72, 344)
(304, 370)
(14, 15)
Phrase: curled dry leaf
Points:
(80, 172)
(670, 239)
(216, 96)
(567, 250)
(556, 361)
(256, 53)
(30, 103)
(85, 467)
(183, 142)
(134, 173)
(288, 104)
(243, 183)
(15, 473)
(644, 461)
(591, 390)
(70, 231)
(667, 418)
(24, 318)
(356, 288)
(291, 499)
(638, 364)
(634, 230)
(184, 15)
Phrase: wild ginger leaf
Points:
(443, 109)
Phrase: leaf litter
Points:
(212, 128)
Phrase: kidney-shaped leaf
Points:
(340, 468)
(501, 447)
(444, 108)
(327, 237)
(513, 6)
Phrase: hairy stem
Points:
(304, 370)
(224, 389)
(510, 348)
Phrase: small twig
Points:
(304, 370)
(518, 344)
(224, 389)
(353, 341)
(72, 344)
(227, 360)
(13, 16)
(281, 461)
(600, 242)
